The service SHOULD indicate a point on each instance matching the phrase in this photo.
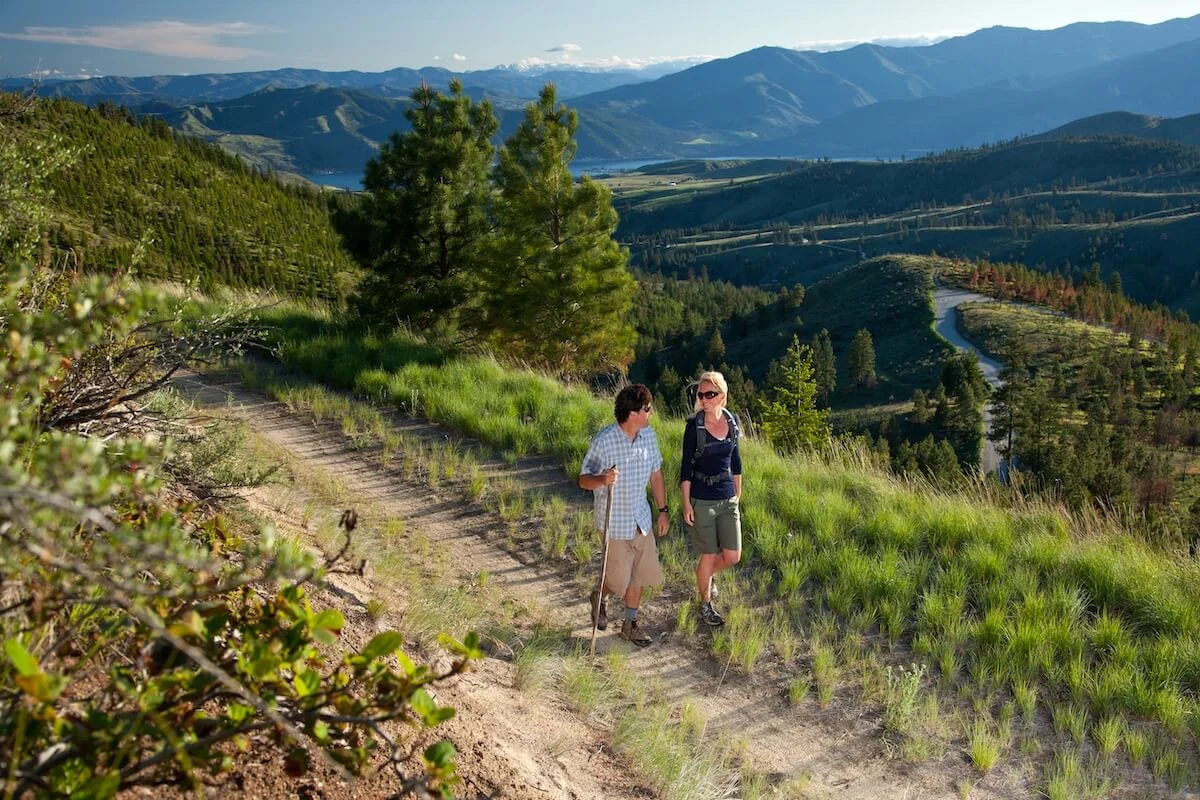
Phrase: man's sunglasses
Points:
(708, 395)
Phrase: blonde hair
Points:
(716, 379)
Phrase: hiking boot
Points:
(631, 633)
(599, 612)
(712, 588)
(710, 616)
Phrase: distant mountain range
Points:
(1151, 83)
(319, 128)
(769, 92)
(868, 101)
(217, 87)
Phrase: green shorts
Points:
(718, 526)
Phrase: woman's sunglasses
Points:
(708, 395)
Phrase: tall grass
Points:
(978, 582)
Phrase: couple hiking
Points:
(710, 479)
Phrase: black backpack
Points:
(702, 442)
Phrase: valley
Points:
(867, 102)
(300, 368)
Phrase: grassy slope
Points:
(1072, 619)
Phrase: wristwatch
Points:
(664, 510)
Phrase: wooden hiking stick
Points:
(603, 561)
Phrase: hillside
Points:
(725, 168)
(317, 128)
(1146, 83)
(889, 296)
(307, 128)
(884, 635)
(1021, 603)
(771, 90)
(854, 189)
(1185, 130)
(1001, 53)
(201, 214)
(871, 100)
(1129, 205)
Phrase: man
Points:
(628, 448)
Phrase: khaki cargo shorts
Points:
(631, 562)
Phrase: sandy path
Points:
(550, 752)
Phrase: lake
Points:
(583, 166)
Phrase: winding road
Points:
(945, 304)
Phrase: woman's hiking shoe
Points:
(599, 612)
(631, 633)
(710, 616)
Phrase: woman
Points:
(710, 480)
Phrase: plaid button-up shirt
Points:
(636, 461)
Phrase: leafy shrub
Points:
(141, 640)
(132, 653)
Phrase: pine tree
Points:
(716, 348)
(824, 365)
(920, 406)
(669, 392)
(941, 409)
(938, 460)
(791, 420)
(1038, 428)
(560, 288)
(862, 359)
(425, 207)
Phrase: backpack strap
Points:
(702, 442)
(701, 438)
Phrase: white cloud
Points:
(58, 74)
(437, 58)
(911, 40)
(566, 47)
(459, 57)
(162, 38)
(613, 62)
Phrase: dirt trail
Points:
(513, 746)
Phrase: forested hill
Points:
(1123, 123)
(204, 214)
(854, 189)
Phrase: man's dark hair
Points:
(633, 397)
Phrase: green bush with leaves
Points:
(142, 640)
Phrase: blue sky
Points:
(141, 37)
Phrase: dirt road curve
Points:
(946, 303)
(515, 746)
